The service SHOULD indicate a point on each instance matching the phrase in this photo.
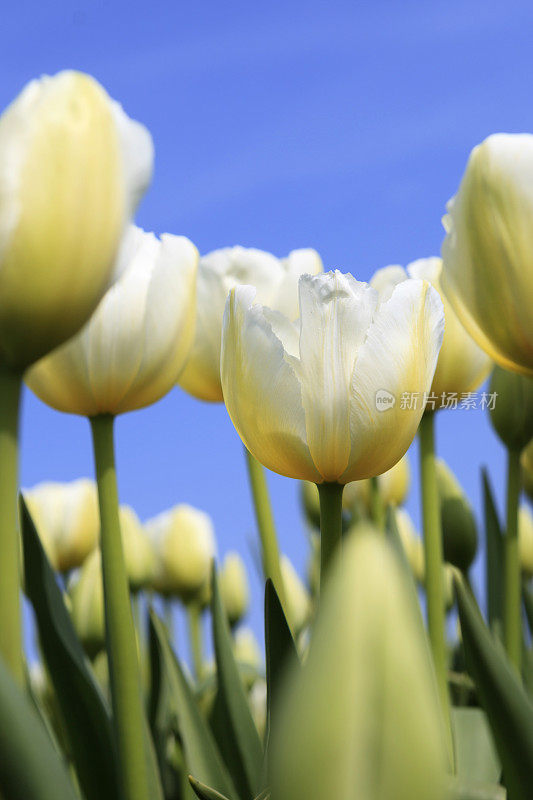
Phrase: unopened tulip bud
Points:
(234, 588)
(412, 544)
(72, 168)
(184, 542)
(525, 539)
(512, 414)
(86, 592)
(527, 469)
(459, 531)
(138, 550)
(67, 520)
(361, 718)
(298, 602)
(393, 486)
(257, 698)
(246, 648)
(310, 502)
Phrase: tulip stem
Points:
(194, 618)
(434, 579)
(265, 525)
(11, 649)
(512, 587)
(120, 631)
(330, 495)
(377, 506)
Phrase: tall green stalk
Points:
(265, 524)
(435, 598)
(512, 584)
(194, 619)
(120, 632)
(11, 648)
(330, 495)
(377, 507)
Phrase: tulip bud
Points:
(527, 469)
(257, 698)
(184, 543)
(234, 588)
(298, 601)
(412, 544)
(67, 520)
(310, 502)
(459, 532)
(361, 718)
(86, 591)
(525, 539)
(393, 485)
(246, 648)
(72, 168)
(512, 415)
(138, 551)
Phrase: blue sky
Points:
(342, 126)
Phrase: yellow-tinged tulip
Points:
(246, 649)
(72, 168)
(86, 591)
(138, 550)
(257, 697)
(412, 544)
(67, 520)
(393, 485)
(361, 718)
(462, 365)
(322, 399)
(298, 602)
(525, 539)
(234, 587)
(184, 542)
(131, 351)
(488, 250)
(276, 281)
(526, 460)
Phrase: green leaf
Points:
(476, 759)
(527, 597)
(509, 709)
(205, 792)
(494, 555)
(202, 756)
(30, 767)
(240, 744)
(281, 651)
(465, 790)
(83, 708)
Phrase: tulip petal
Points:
(261, 391)
(336, 311)
(137, 155)
(399, 356)
(304, 261)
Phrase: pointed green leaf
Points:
(30, 767)
(508, 708)
(493, 555)
(476, 759)
(280, 648)
(205, 792)
(202, 756)
(240, 740)
(84, 710)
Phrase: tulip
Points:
(246, 648)
(138, 551)
(234, 588)
(462, 365)
(393, 486)
(257, 698)
(66, 518)
(74, 167)
(459, 532)
(526, 461)
(488, 250)
(131, 351)
(298, 601)
(412, 544)
(525, 539)
(361, 719)
(86, 592)
(276, 281)
(184, 541)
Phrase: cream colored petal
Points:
(385, 279)
(305, 261)
(261, 391)
(336, 311)
(137, 154)
(399, 356)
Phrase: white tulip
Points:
(131, 351)
(306, 398)
(276, 281)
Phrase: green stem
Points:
(512, 586)
(377, 507)
(11, 648)
(435, 598)
(194, 618)
(120, 632)
(330, 495)
(265, 524)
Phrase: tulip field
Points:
(388, 673)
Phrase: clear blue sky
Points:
(342, 126)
